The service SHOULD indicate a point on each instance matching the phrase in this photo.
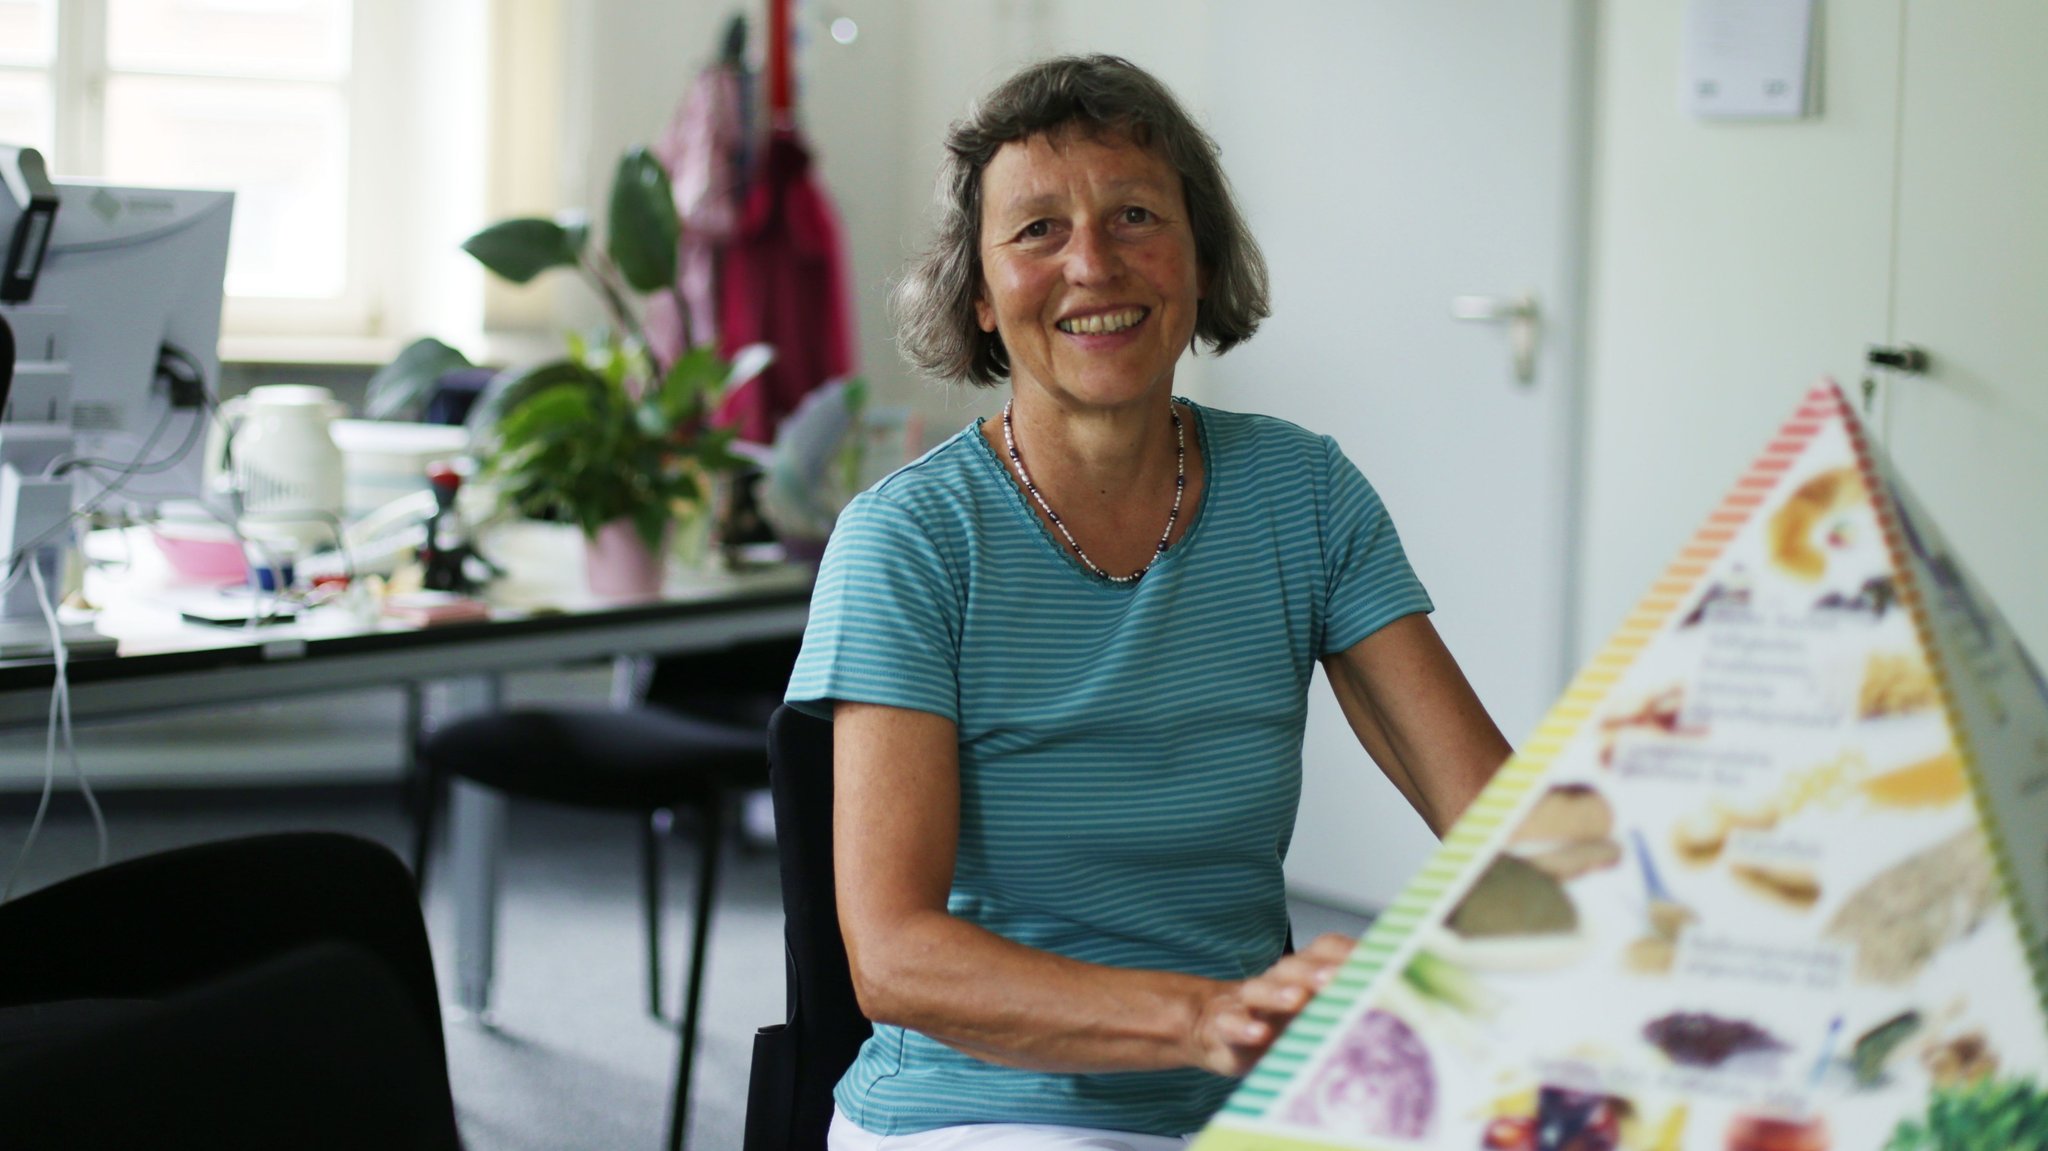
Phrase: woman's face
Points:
(1088, 268)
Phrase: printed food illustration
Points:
(1980, 1116)
(1933, 782)
(1910, 911)
(1698, 1039)
(1570, 832)
(1770, 876)
(1378, 1082)
(1875, 1047)
(1779, 1133)
(1794, 885)
(1514, 899)
(1895, 683)
(1660, 713)
(1811, 520)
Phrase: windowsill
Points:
(502, 347)
(334, 351)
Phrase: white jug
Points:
(273, 460)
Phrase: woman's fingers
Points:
(1330, 948)
(1231, 1038)
(1311, 967)
(1244, 1021)
(1272, 994)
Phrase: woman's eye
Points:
(1037, 229)
(1137, 216)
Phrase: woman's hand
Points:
(1242, 1020)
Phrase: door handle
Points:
(1908, 358)
(1519, 313)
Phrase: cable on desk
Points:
(135, 467)
(14, 561)
(60, 723)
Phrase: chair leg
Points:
(713, 831)
(427, 798)
(420, 787)
(651, 830)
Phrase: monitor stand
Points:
(35, 511)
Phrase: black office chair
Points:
(696, 747)
(268, 992)
(797, 1062)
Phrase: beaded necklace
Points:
(1180, 483)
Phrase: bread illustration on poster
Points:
(1770, 876)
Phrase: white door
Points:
(1393, 156)
(1971, 287)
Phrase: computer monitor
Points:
(114, 303)
(126, 310)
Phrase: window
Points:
(289, 102)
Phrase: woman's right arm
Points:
(896, 824)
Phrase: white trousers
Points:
(848, 1136)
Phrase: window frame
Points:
(387, 72)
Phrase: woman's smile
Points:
(1103, 323)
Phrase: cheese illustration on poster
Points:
(1772, 875)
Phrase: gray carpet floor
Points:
(572, 1061)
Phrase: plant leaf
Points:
(508, 390)
(575, 230)
(643, 226)
(402, 386)
(714, 451)
(650, 419)
(561, 412)
(693, 379)
(523, 247)
(747, 363)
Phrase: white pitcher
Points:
(271, 456)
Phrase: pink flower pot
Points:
(618, 564)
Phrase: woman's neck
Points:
(1094, 454)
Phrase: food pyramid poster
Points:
(1770, 877)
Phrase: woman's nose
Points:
(1092, 256)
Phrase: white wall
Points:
(1733, 264)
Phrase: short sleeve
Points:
(885, 618)
(1370, 584)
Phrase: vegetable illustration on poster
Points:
(1768, 878)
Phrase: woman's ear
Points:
(984, 312)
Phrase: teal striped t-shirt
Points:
(1130, 756)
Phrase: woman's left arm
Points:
(1419, 720)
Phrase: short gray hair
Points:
(934, 301)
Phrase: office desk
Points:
(543, 618)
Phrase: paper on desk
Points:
(1746, 58)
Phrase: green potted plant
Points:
(607, 437)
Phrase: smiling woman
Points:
(1067, 743)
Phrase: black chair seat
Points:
(697, 745)
(639, 759)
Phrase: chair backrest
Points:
(741, 684)
(799, 1061)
